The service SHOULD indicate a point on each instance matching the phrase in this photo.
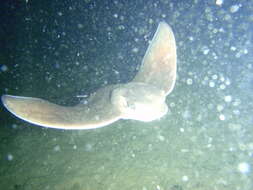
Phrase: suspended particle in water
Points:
(228, 98)
(222, 117)
(9, 157)
(3, 68)
(243, 167)
(189, 81)
(235, 8)
(57, 148)
(228, 82)
(88, 147)
(161, 138)
(135, 50)
(185, 178)
(214, 77)
(211, 84)
(222, 86)
(219, 2)
(220, 108)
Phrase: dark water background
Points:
(59, 49)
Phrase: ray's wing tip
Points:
(165, 24)
(4, 98)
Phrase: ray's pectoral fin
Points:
(44, 113)
(159, 64)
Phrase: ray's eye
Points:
(130, 105)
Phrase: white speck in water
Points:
(189, 81)
(237, 102)
(205, 51)
(210, 106)
(88, 147)
(172, 104)
(220, 108)
(14, 126)
(222, 117)
(228, 98)
(222, 86)
(227, 82)
(186, 114)
(236, 112)
(60, 13)
(3, 68)
(135, 50)
(211, 84)
(222, 79)
(215, 77)
(74, 147)
(243, 167)
(57, 148)
(245, 51)
(9, 157)
(185, 178)
(219, 2)
(232, 48)
(235, 8)
(181, 130)
(191, 38)
(161, 138)
(184, 150)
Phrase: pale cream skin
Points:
(141, 99)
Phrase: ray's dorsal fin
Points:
(159, 65)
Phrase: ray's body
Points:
(142, 99)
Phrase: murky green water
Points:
(60, 49)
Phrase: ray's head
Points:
(139, 101)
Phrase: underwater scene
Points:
(126, 95)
